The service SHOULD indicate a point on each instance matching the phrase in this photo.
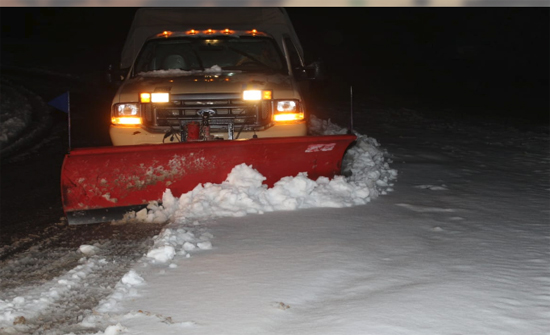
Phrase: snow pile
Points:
(177, 241)
(365, 162)
(124, 289)
(15, 113)
(177, 72)
(243, 193)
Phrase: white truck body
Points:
(237, 72)
(150, 21)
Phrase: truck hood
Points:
(181, 82)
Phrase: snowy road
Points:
(460, 246)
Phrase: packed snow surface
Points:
(461, 245)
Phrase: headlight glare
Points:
(288, 110)
(145, 97)
(252, 95)
(282, 117)
(126, 114)
(286, 106)
(127, 120)
(126, 109)
(160, 97)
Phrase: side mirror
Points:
(114, 76)
(315, 70)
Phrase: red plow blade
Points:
(100, 184)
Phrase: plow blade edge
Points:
(100, 184)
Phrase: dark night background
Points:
(416, 73)
(464, 61)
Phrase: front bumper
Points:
(128, 135)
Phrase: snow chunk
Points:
(18, 301)
(88, 250)
(244, 176)
(207, 245)
(189, 246)
(162, 254)
(132, 279)
(114, 330)
(142, 215)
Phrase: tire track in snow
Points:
(64, 301)
(32, 239)
(116, 258)
(41, 257)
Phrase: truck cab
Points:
(215, 78)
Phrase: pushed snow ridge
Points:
(365, 175)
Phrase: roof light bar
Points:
(165, 33)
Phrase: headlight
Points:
(288, 110)
(146, 97)
(252, 95)
(281, 117)
(160, 97)
(256, 95)
(286, 106)
(128, 113)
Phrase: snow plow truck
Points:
(206, 89)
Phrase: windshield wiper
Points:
(198, 59)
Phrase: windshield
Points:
(255, 54)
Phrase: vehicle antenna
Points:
(351, 109)
(63, 103)
(69, 118)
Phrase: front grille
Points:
(186, 108)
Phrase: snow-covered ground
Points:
(459, 243)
